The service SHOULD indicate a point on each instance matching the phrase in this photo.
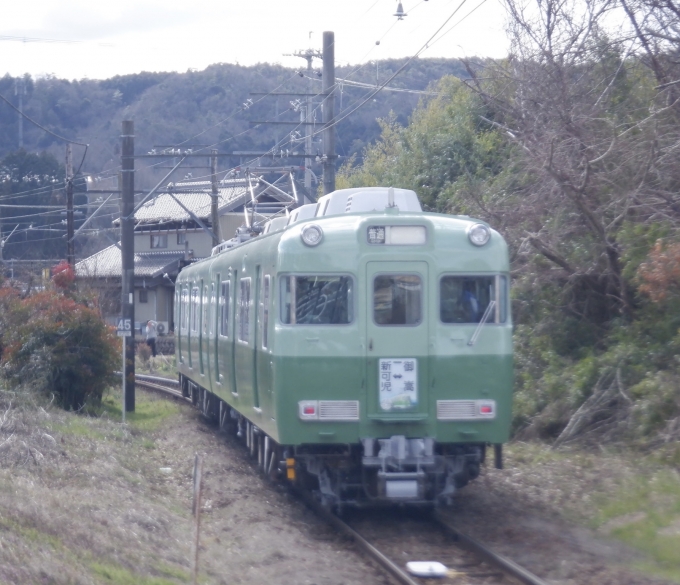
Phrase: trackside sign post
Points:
(124, 329)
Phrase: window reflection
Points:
(320, 300)
(397, 299)
(464, 299)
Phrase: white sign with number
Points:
(124, 327)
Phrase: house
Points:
(170, 231)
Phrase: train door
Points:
(201, 325)
(215, 325)
(209, 311)
(182, 325)
(234, 334)
(397, 340)
(192, 338)
(256, 336)
(246, 350)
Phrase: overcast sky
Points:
(100, 39)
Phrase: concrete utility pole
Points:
(214, 219)
(328, 112)
(306, 113)
(70, 244)
(308, 129)
(20, 91)
(127, 242)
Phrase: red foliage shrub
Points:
(58, 343)
(660, 274)
(63, 275)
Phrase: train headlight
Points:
(479, 234)
(311, 235)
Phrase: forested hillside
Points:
(202, 107)
(206, 109)
(570, 148)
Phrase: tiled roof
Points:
(107, 263)
(196, 197)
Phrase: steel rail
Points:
(496, 559)
(157, 379)
(392, 568)
(160, 385)
(171, 387)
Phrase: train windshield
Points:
(316, 300)
(397, 299)
(464, 299)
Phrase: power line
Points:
(237, 111)
(11, 105)
(36, 40)
(371, 86)
(398, 71)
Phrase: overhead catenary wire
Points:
(242, 109)
(371, 86)
(112, 172)
(234, 113)
(285, 139)
(5, 37)
(397, 72)
(350, 110)
(47, 189)
(39, 125)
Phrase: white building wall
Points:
(199, 241)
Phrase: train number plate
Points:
(398, 383)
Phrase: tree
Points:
(445, 153)
(57, 343)
(578, 105)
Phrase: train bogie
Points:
(373, 348)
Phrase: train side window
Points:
(194, 309)
(224, 309)
(244, 311)
(397, 299)
(464, 299)
(266, 285)
(316, 300)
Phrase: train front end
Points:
(393, 353)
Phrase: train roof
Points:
(343, 211)
(367, 199)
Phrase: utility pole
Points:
(127, 243)
(328, 112)
(70, 244)
(214, 219)
(20, 91)
(306, 113)
(308, 127)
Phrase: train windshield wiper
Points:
(484, 319)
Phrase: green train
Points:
(361, 347)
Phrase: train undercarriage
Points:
(377, 471)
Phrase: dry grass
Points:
(99, 503)
(82, 500)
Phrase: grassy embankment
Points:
(620, 495)
(86, 500)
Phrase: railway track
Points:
(166, 386)
(411, 536)
(393, 540)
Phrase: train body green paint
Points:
(403, 376)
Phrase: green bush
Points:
(57, 344)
